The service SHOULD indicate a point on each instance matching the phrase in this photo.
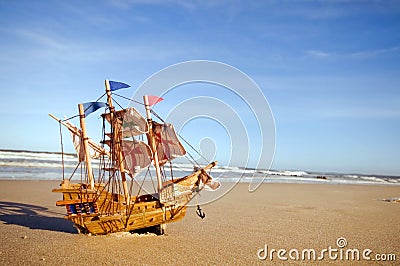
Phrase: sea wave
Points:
(47, 166)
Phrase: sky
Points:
(330, 70)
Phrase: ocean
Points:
(29, 165)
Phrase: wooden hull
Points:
(105, 224)
(99, 212)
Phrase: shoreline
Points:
(242, 168)
(265, 182)
(45, 152)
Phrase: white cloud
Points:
(374, 53)
(128, 4)
(366, 54)
(317, 53)
(353, 112)
(40, 38)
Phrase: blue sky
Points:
(329, 69)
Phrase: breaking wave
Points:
(27, 165)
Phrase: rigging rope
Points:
(66, 119)
(126, 98)
(193, 148)
(76, 168)
(138, 193)
(180, 136)
(156, 115)
(151, 178)
(120, 106)
(62, 150)
(172, 174)
(192, 160)
(100, 97)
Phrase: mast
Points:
(153, 147)
(86, 144)
(117, 142)
(152, 142)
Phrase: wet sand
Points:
(236, 230)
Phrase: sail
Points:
(167, 143)
(212, 185)
(134, 123)
(137, 155)
(131, 122)
(80, 152)
(76, 133)
(207, 181)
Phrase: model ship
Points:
(111, 199)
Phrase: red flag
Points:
(154, 99)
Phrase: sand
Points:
(236, 230)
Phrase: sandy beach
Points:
(237, 229)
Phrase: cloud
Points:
(366, 54)
(317, 53)
(191, 5)
(353, 112)
(335, 9)
(375, 53)
(40, 38)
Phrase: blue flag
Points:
(90, 107)
(115, 85)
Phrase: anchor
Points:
(200, 213)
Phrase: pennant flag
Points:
(154, 99)
(115, 85)
(90, 107)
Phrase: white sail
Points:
(134, 123)
(131, 122)
(168, 145)
(137, 155)
(76, 134)
(78, 144)
(207, 181)
(212, 185)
